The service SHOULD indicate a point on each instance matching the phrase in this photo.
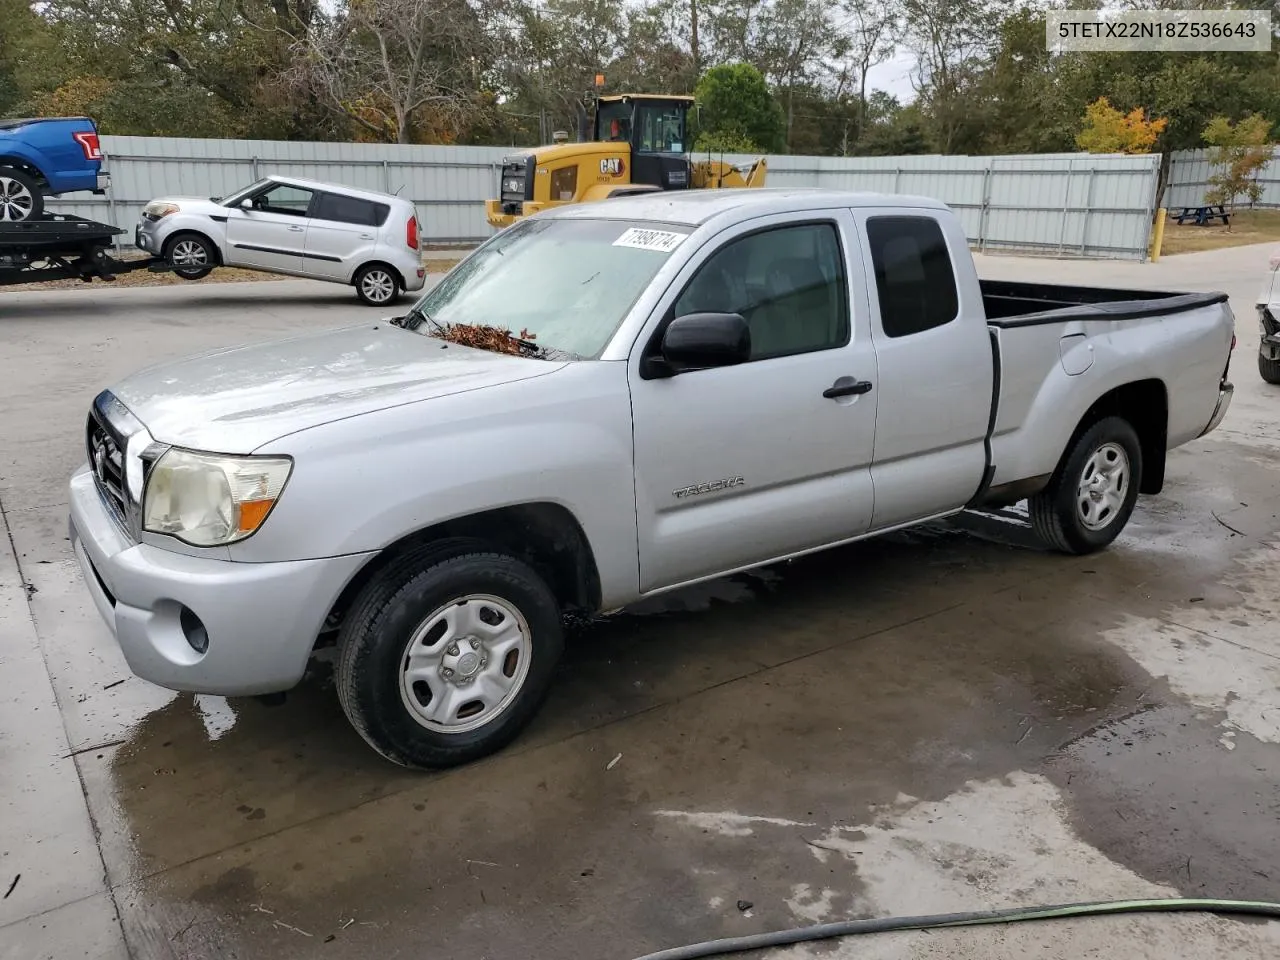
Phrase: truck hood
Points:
(235, 400)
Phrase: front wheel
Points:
(445, 659)
(1270, 369)
(1091, 497)
(192, 256)
(377, 285)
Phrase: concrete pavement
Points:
(944, 719)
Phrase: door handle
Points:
(294, 229)
(847, 387)
(366, 236)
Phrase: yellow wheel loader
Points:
(638, 144)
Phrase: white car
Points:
(304, 228)
(1269, 323)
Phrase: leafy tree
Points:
(1239, 152)
(735, 101)
(1108, 130)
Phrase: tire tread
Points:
(401, 577)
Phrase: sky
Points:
(894, 76)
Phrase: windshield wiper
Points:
(413, 319)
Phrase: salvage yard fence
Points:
(1061, 205)
(1189, 172)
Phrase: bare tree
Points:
(952, 41)
(868, 37)
(384, 64)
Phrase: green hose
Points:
(849, 928)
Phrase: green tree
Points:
(734, 101)
(1239, 152)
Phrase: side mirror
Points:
(214, 199)
(700, 340)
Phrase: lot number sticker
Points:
(661, 240)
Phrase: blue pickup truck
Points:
(44, 157)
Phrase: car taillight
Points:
(89, 144)
(411, 233)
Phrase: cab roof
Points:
(695, 207)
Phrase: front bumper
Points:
(261, 619)
(1225, 392)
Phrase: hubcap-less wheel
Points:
(16, 201)
(378, 286)
(1104, 484)
(189, 253)
(465, 664)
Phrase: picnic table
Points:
(1203, 216)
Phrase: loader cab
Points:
(656, 127)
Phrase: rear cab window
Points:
(915, 282)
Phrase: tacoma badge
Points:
(707, 487)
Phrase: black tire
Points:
(1269, 369)
(1055, 512)
(377, 285)
(191, 248)
(378, 630)
(20, 196)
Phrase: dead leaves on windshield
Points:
(484, 337)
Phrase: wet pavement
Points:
(944, 719)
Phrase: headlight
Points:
(158, 211)
(208, 500)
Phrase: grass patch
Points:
(1247, 226)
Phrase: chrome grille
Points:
(106, 458)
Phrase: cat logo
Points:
(612, 166)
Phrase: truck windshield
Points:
(563, 285)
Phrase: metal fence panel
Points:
(1054, 204)
(1189, 172)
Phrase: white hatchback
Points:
(304, 228)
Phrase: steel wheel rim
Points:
(378, 286)
(474, 650)
(1104, 485)
(189, 253)
(16, 201)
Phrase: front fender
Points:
(363, 483)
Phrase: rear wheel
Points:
(1091, 497)
(20, 196)
(192, 256)
(377, 285)
(445, 658)
(1270, 369)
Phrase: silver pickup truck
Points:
(697, 383)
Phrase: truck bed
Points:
(1014, 304)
